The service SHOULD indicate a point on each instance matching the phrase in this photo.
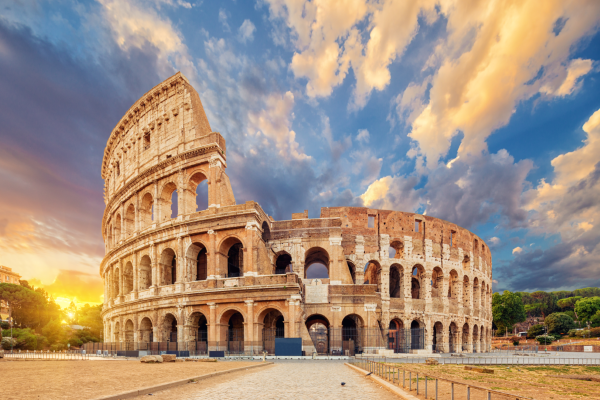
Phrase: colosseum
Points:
(189, 269)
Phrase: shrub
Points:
(595, 332)
(545, 339)
(534, 331)
(4, 325)
(6, 343)
(559, 323)
(572, 333)
(515, 340)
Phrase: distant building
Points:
(7, 276)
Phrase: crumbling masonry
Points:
(230, 277)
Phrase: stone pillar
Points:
(214, 171)
(180, 195)
(294, 311)
(157, 215)
(249, 325)
(181, 266)
(445, 339)
(298, 257)
(211, 257)
(212, 325)
(359, 274)
(154, 266)
(136, 277)
(459, 341)
(121, 283)
(137, 223)
(249, 267)
(429, 332)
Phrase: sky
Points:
(486, 114)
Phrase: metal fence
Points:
(46, 355)
(427, 385)
(489, 360)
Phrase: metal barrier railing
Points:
(46, 355)
(392, 374)
(490, 360)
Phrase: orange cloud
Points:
(71, 285)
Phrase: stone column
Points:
(212, 326)
(157, 215)
(181, 265)
(137, 223)
(294, 303)
(121, 283)
(359, 274)
(136, 277)
(154, 266)
(429, 335)
(180, 195)
(459, 341)
(249, 267)
(214, 169)
(249, 325)
(445, 339)
(211, 257)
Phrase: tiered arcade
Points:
(187, 269)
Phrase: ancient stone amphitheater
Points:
(189, 269)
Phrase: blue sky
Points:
(486, 115)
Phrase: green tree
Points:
(546, 301)
(587, 307)
(91, 318)
(17, 297)
(559, 323)
(54, 332)
(587, 292)
(535, 330)
(507, 309)
(595, 319)
(569, 302)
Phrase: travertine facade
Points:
(231, 274)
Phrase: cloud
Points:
(363, 136)
(517, 250)
(71, 285)
(492, 58)
(567, 81)
(246, 31)
(393, 193)
(223, 20)
(494, 241)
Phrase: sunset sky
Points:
(486, 114)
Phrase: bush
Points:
(515, 340)
(6, 343)
(595, 332)
(545, 339)
(559, 323)
(534, 331)
(4, 325)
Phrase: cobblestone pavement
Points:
(289, 380)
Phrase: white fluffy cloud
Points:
(246, 31)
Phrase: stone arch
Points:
(168, 267)
(316, 263)
(453, 285)
(352, 334)
(197, 189)
(233, 320)
(266, 232)
(398, 246)
(465, 337)
(417, 287)
(482, 339)
(283, 262)
(146, 332)
(128, 331)
(198, 329)
(373, 274)
(438, 337)
(117, 229)
(129, 220)
(231, 255)
(318, 329)
(117, 332)
(453, 337)
(169, 328)
(146, 211)
(396, 281)
(128, 278)
(115, 283)
(197, 259)
(417, 334)
(145, 275)
(166, 200)
(466, 262)
(437, 282)
(475, 338)
(352, 269)
(466, 292)
(476, 293)
(396, 336)
(273, 327)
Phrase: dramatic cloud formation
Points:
(386, 104)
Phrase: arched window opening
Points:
(146, 141)
(145, 279)
(235, 334)
(198, 185)
(170, 328)
(199, 332)
(235, 261)
(316, 264)
(453, 287)
(146, 331)
(147, 211)
(283, 264)
(273, 328)
(201, 265)
(130, 220)
(397, 340)
(109, 235)
(396, 249)
(396, 282)
(128, 331)
(352, 269)
(168, 202)
(117, 332)
(438, 337)
(169, 267)
(352, 335)
(118, 168)
(417, 336)
(476, 293)
(466, 262)
(437, 282)
(418, 274)
(318, 329)
(174, 205)
(466, 292)
(266, 233)
(465, 337)
(116, 286)
(117, 229)
(128, 278)
(373, 274)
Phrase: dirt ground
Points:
(70, 380)
(539, 383)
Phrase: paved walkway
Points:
(289, 380)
